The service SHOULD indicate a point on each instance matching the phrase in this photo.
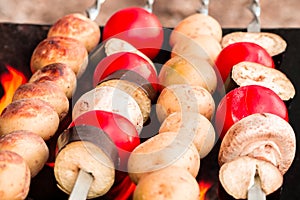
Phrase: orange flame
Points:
(10, 82)
(204, 187)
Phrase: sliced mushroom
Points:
(250, 73)
(133, 90)
(110, 99)
(90, 149)
(263, 136)
(237, 176)
(273, 43)
(133, 77)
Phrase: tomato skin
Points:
(137, 26)
(241, 51)
(244, 101)
(127, 61)
(120, 130)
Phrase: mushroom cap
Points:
(250, 73)
(263, 136)
(162, 151)
(79, 27)
(273, 43)
(237, 176)
(14, 175)
(60, 49)
(59, 73)
(36, 153)
(46, 91)
(203, 46)
(24, 114)
(188, 69)
(184, 98)
(194, 25)
(169, 183)
(193, 125)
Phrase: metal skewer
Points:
(93, 11)
(82, 186)
(255, 9)
(204, 7)
(149, 5)
(255, 192)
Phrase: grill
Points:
(17, 42)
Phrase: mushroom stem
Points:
(263, 150)
(250, 177)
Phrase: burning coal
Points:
(10, 80)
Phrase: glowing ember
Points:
(10, 82)
(204, 187)
(122, 191)
(50, 164)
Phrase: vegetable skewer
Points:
(255, 192)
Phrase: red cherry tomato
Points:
(120, 130)
(244, 101)
(241, 51)
(127, 61)
(137, 26)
